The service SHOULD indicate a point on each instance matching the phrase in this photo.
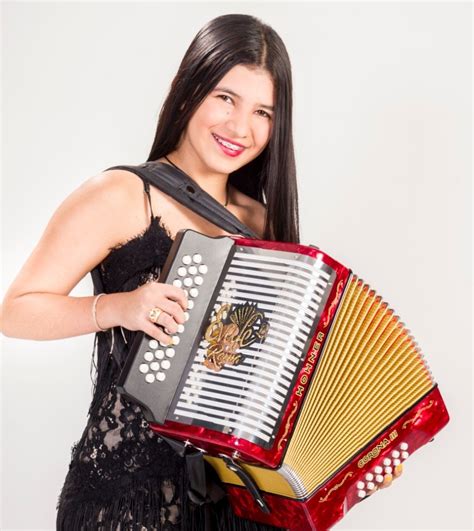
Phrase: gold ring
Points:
(154, 314)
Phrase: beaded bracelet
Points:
(94, 312)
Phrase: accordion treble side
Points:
(292, 368)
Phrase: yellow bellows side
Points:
(369, 373)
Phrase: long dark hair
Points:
(223, 43)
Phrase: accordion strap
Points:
(181, 187)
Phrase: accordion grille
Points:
(247, 399)
(370, 372)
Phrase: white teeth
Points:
(228, 144)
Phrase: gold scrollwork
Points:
(333, 305)
(287, 426)
(325, 499)
(418, 414)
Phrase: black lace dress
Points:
(122, 475)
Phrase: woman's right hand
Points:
(136, 305)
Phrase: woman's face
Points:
(239, 112)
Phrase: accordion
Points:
(300, 385)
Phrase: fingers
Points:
(157, 333)
(176, 294)
(172, 301)
(170, 323)
(173, 314)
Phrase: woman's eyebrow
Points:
(228, 90)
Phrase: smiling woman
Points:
(227, 123)
(229, 129)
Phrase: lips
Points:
(229, 148)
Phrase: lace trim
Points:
(131, 263)
(140, 235)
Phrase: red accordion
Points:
(298, 382)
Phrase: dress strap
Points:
(147, 192)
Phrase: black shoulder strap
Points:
(181, 187)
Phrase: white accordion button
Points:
(396, 454)
(388, 470)
(155, 366)
(153, 343)
(194, 292)
(186, 259)
(177, 283)
(159, 354)
(370, 485)
(170, 352)
(197, 258)
(175, 340)
(143, 368)
(378, 469)
(190, 304)
(181, 271)
(405, 455)
(150, 378)
(396, 462)
(387, 461)
(361, 493)
(192, 270)
(188, 281)
(379, 478)
(148, 356)
(180, 328)
(198, 281)
(160, 376)
(186, 314)
(165, 364)
(403, 446)
(369, 476)
(360, 485)
(202, 269)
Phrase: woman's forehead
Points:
(248, 82)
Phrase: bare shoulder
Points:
(253, 213)
(107, 207)
(83, 228)
(122, 192)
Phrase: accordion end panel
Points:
(371, 403)
(372, 469)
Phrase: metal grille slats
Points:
(249, 397)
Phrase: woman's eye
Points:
(228, 99)
(264, 113)
(224, 96)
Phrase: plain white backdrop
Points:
(382, 112)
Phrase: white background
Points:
(382, 95)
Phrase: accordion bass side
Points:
(301, 386)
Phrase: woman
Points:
(227, 123)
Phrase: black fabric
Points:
(122, 475)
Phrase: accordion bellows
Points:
(295, 370)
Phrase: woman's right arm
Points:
(79, 236)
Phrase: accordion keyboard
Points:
(152, 370)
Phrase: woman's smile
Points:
(230, 149)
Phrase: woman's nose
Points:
(238, 123)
